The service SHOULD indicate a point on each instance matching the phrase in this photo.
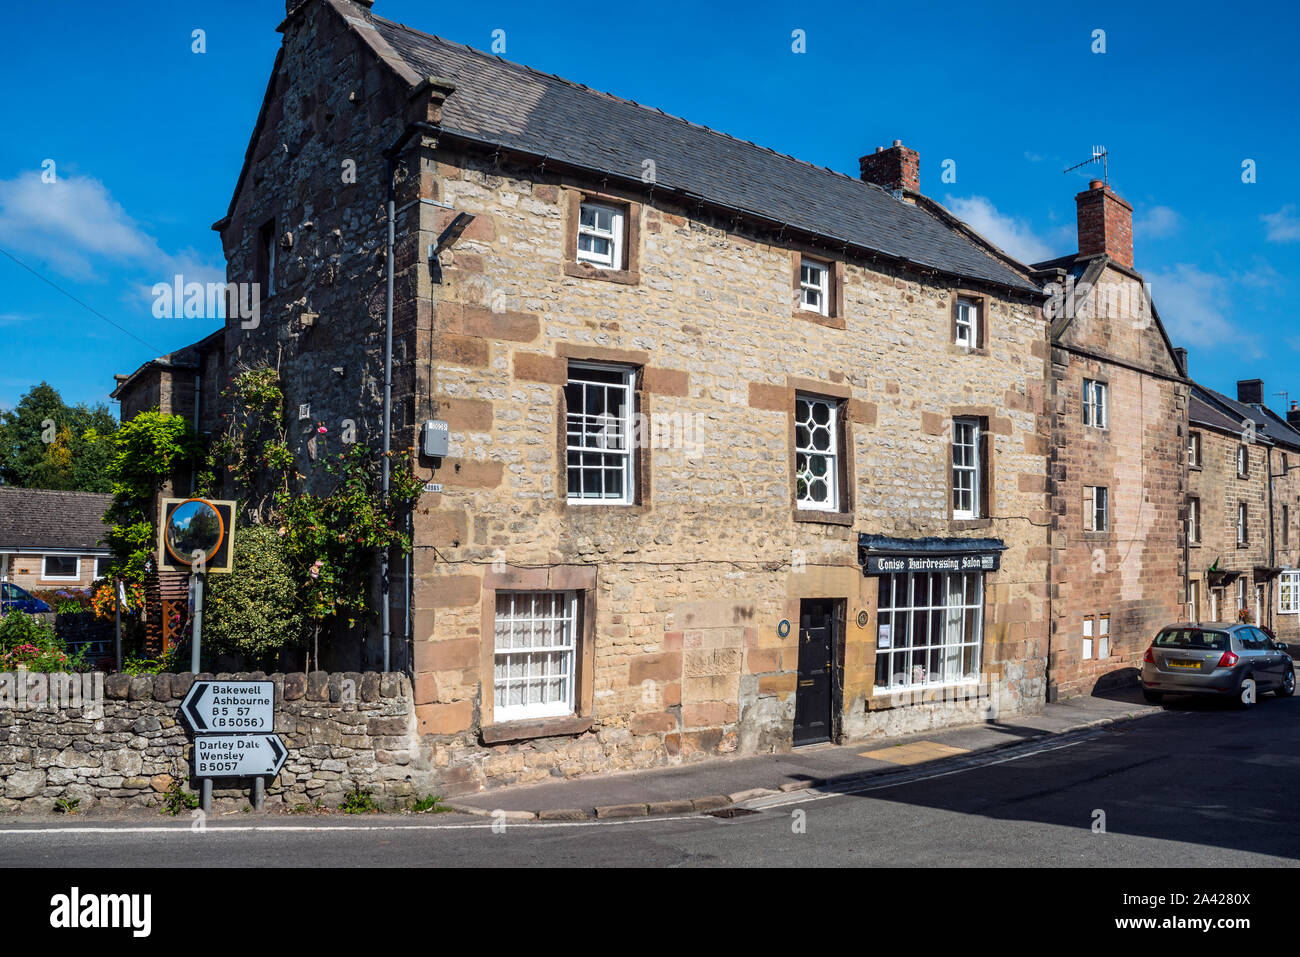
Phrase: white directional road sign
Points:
(230, 707)
(238, 755)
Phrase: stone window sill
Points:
(903, 698)
(822, 518)
(626, 277)
(969, 524)
(568, 724)
(831, 322)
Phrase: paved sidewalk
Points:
(716, 784)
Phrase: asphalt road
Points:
(1197, 785)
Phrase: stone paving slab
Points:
(715, 784)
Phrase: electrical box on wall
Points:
(433, 438)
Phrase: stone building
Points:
(1118, 396)
(736, 460)
(1244, 488)
(742, 453)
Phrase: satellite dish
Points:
(194, 532)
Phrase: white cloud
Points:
(1158, 222)
(1284, 225)
(1194, 306)
(1016, 237)
(74, 224)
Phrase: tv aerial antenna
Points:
(1099, 154)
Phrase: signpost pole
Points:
(117, 623)
(259, 793)
(205, 796)
(198, 623)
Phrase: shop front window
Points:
(929, 629)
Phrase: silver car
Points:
(1226, 660)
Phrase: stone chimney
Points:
(1250, 391)
(1181, 355)
(1105, 224)
(893, 168)
(1293, 415)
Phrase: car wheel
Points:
(1153, 697)
(1247, 692)
(1287, 688)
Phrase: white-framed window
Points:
(1096, 404)
(536, 654)
(102, 564)
(966, 468)
(1088, 627)
(1193, 601)
(1096, 508)
(1194, 449)
(61, 568)
(1194, 520)
(929, 628)
(814, 286)
(1103, 636)
(599, 433)
(600, 235)
(1288, 592)
(967, 328)
(816, 453)
(1243, 461)
(1243, 530)
(1216, 597)
(1241, 595)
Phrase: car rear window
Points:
(1198, 638)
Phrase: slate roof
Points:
(33, 518)
(517, 107)
(1267, 423)
(185, 358)
(1201, 412)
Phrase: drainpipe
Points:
(1268, 596)
(198, 397)
(390, 155)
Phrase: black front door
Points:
(812, 701)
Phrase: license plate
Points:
(1175, 663)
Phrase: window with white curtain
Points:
(929, 628)
(536, 645)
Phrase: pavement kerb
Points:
(717, 802)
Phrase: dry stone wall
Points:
(117, 741)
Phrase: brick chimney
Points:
(893, 168)
(1293, 415)
(1250, 391)
(1105, 224)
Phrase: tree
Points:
(45, 443)
(146, 450)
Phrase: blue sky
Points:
(147, 138)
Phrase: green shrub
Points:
(177, 799)
(30, 643)
(358, 802)
(255, 610)
(430, 804)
